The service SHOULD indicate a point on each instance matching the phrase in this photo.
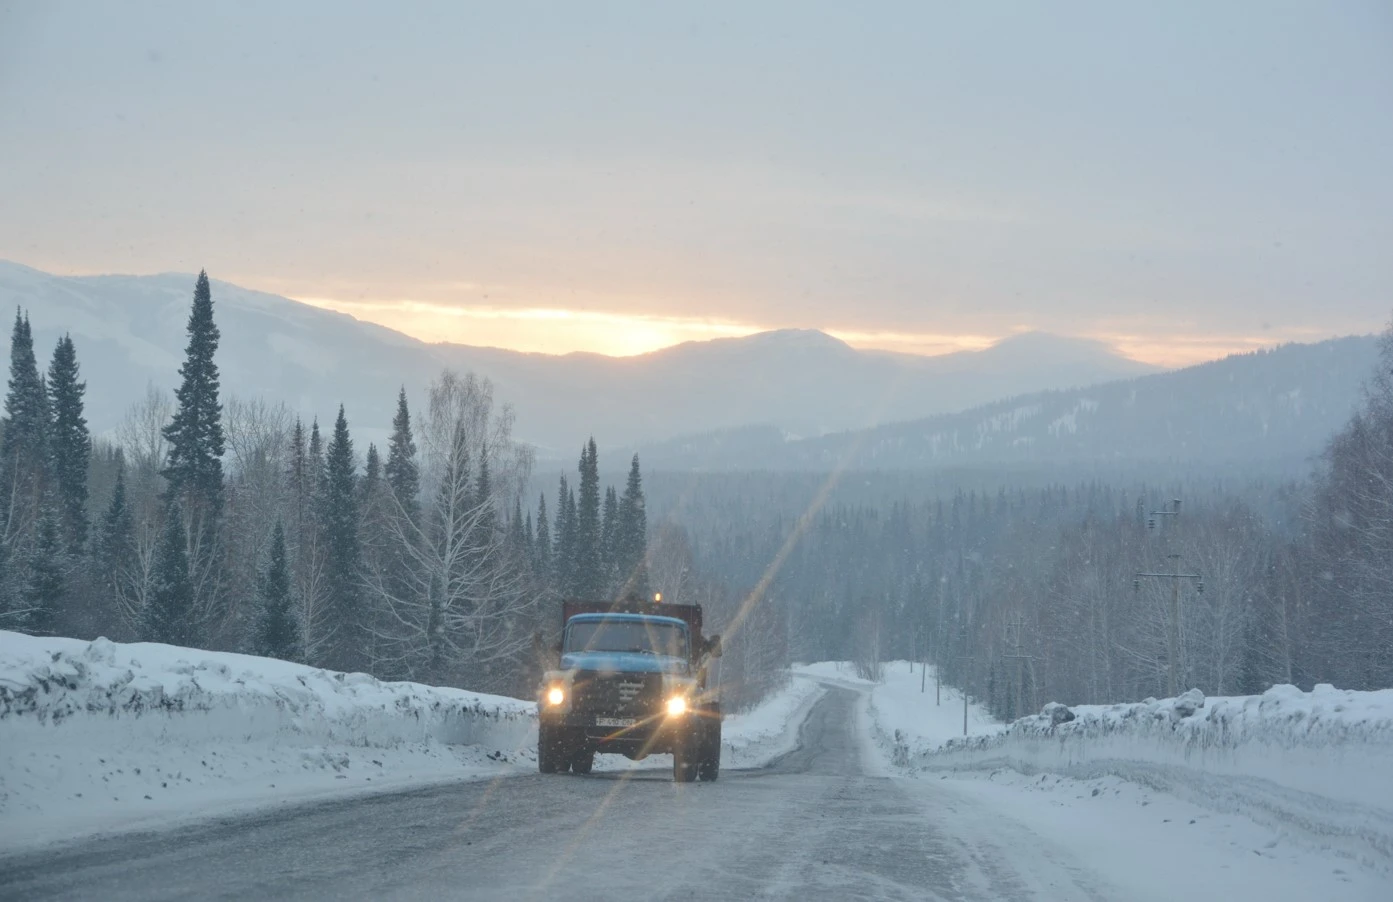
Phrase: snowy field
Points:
(98, 735)
(101, 736)
(1286, 795)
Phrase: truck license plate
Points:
(615, 721)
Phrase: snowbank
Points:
(99, 735)
(911, 716)
(770, 729)
(907, 714)
(1318, 764)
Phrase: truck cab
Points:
(631, 680)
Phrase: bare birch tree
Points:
(465, 607)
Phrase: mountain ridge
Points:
(129, 330)
(1276, 408)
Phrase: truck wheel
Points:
(683, 767)
(582, 760)
(710, 767)
(546, 749)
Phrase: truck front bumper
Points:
(634, 737)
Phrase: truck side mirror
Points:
(556, 648)
(713, 646)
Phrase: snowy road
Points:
(819, 823)
(812, 826)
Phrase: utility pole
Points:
(1015, 627)
(964, 709)
(1175, 576)
(923, 646)
(938, 653)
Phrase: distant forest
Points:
(232, 524)
(1097, 590)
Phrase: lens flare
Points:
(677, 706)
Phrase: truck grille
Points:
(620, 694)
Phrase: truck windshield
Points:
(628, 635)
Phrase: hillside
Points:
(129, 331)
(1272, 408)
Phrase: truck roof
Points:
(628, 616)
(689, 614)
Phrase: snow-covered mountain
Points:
(129, 331)
(1273, 409)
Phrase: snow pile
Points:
(96, 735)
(908, 714)
(1316, 763)
(911, 715)
(755, 737)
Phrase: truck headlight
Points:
(556, 695)
(677, 706)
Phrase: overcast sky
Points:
(1180, 179)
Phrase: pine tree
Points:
(481, 504)
(374, 514)
(372, 475)
(168, 615)
(519, 543)
(564, 558)
(70, 443)
(277, 629)
(298, 474)
(631, 535)
(302, 520)
(541, 556)
(195, 435)
(587, 526)
(115, 542)
(338, 519)
(43, 586)
(315, 464)
(609, 525)
(24, 451)
(402, 471)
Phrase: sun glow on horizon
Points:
(555, 330)
(543, 330)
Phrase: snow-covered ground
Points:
(101, 736)
(910, 714)
(1287, 795)
(754, 738)
(96, 736)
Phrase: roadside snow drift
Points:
(96, 735)
(1317, 764)
(100, 736)
(756, 737)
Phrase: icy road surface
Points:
(816, 824)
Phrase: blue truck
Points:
(632, 679)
